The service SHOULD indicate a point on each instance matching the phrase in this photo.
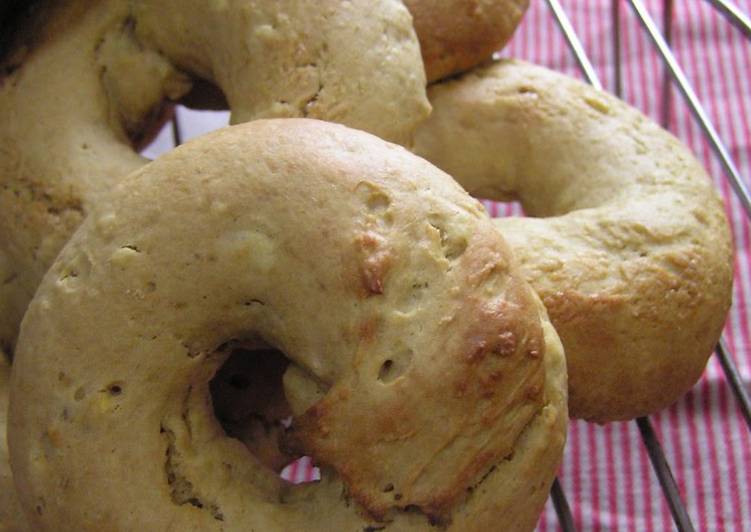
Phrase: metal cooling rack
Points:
(673, 73)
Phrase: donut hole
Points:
(202, 109)
(152, 125)
(204, 96)
(183, 124)
(249, 403)
(503, 209)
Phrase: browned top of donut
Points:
(456, 35)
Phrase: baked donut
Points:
(443, 382)
(629, 249)
(11, 515)
(456, 35)
(94, 72)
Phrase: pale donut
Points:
(97, 70)
(11, 515)
(444, 382)
(456, 35)
(631, 252)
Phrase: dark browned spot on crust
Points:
(496, 333)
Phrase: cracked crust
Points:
(465, 418)
(456, 35)
(631, 252)
(95, 74)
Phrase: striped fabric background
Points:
(606, 473)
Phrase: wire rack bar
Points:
(574, 43)
(667, 94)
(176, 137)
(735, 380)
(615, 10)
(684, 85)
(734, 15)
(664, 475)
(562, 509)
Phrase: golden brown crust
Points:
(174, 277)
(456, 35)
(632, 256)
(489, 385)
(98, 71)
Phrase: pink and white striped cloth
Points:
(606, 473)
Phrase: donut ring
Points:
(98, 71)
(631, 254)
(456, 35)
(169, 276)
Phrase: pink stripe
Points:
(611, 480)
(594, 478)
(628, 476)
(679, 469)
(576, 449)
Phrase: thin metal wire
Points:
(735, 380)
(684, 85)
(562, 509)
(736, 17)
(615, 10)
(664, 475)
(574, 43)
(176, 136)
(667, 93)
